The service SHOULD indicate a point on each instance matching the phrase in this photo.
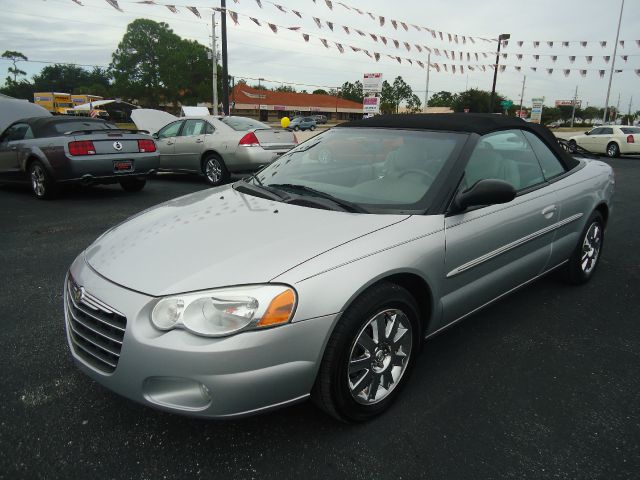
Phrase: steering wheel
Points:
(419, 172)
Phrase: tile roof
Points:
(243, 93)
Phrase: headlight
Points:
(224, 311)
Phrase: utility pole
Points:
(522, 93)
(214, 57)
(629, 113)
(225, 70)
(573, 111)
(613, 63)
(426, 92)
(618, 106)
(501, 37)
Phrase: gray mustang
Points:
(322, 274)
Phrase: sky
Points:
(63, 31)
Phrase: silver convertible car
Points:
(322, 274)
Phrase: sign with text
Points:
(371, 105)
(372, 83)
(568, 103)
(536, 110)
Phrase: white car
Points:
(612, 140)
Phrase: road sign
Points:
(568, 103)
(506, 104)
(372, 83)
(521, 113)
(536, 110)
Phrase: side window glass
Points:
(170, 130)
(550, 164)
(596, 131)
(16, 132)
(208, 128)
(606, 131)
(28, 135)
(504, 156)
(192, 127)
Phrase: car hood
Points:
(151, 120)
(220, 237)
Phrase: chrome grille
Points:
(96, 329)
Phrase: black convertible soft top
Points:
(480, 123)
(43, 126)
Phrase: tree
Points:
(414, 105)
(15, 57)
(476, 100)
(73, 79)
(320, 91)
(442, 99)
(352, 91)
(589, 113)
(285, 88)
(393, 95)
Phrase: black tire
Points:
(214, 169)
(574, 272)
(42, 185)
(613, 151)
(296, 128)
(332, 391)
(573, 146)
(312, 128)
(133, 184)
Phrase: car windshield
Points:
(630, 130)
(243, 124)
(375, 169)
(62, 127)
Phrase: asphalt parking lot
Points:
(544, 384)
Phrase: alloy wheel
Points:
(591, 248)
(38, 180)
(379, 356)
(612, 150)
(213, 170)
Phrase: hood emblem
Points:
(78, 294)
(117, 146)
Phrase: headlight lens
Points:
(220, 312)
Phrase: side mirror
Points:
(587, 132)
(485, 192)
(156, 136)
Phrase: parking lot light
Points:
(501, 38)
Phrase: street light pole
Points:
(426, 92)
(214, 57)
(522, 93)
(501, 37)
(613, 63)
(573, 111)
(225, 69)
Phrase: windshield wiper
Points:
(259, 190)
(346, 205)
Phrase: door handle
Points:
(199, 140)
(549, 211)
(169, 143)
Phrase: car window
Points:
(595, 131)
(208, 128)
(192, 128)
(88, 124)
(630, 130)
(242, 124)
(507, 156)
(606, 131)
(170, 130)
(19, 131)
(550, 164)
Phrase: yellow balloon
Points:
(284, 121)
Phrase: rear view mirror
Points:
(485, 192)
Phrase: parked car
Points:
(302, 123)
(320, 119)
(52, 151)
(323, 278)
(218, 146)
(611, 140)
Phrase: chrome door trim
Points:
(510, 246)
(523, 284)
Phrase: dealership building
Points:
(267, 105)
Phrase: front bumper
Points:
(208, 377)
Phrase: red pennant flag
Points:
(274, 28)
(536, 57)
(453, 68)
(517, 68)
(280, 7)
(330, 25)
(446, 68)
(143, 2)
(637, 69)
(373, 17)
(407, 46)
(324, 42)
(455, 38)
(375, 38)
(468, 57)
(78, 2)
(355, 49)
(520, 43)
(450, 39)
(404, 25)
(601, 73)
(339, 47)
(503, 68)
(376, 55)
(420, 63)
(255, 20)
(259, 3)
(549, 71)
(384, 39)
(550, 44)
(566, 72)
(584, 44)
(360, 32)
(624, 57)
(437, 67)
(589, 58)
(381, 20)
(476, 55)
(345, 6)
(329, 4)
(446, 54)
(472, 40)
(366, 52)
(195, 11)
(395, 24)
(441, 36)
(346, 29)
(461, 70)
(233, 15)
(436, 51)
(295, 29)
(536, 44)
(318, 22)
(583, 73)
(305, 36)
(565, 44)
(607, 58)
(399, 59)
(297, 13)
(554, 58)
(433, 33)
(396, 43)
(418, 47)
(504, 55)
(603, 44)
(172, 8)
(621, 43)
(114, 4)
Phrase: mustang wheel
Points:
(132, 184)
(573, 146)
(42, 185)
(215, 170)
(585, 257)
(613, 150)
(369, 354)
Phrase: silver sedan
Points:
(218, 146)
(322, 275)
